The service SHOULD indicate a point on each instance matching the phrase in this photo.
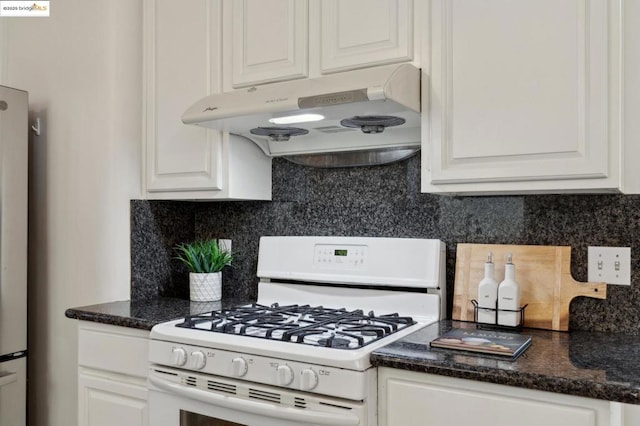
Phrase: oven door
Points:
(182, 398)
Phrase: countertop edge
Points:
(144, 314)
(103, 318)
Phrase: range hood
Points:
(364, 117)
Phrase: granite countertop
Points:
(144, 314)
(594, 365)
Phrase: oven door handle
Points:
(260, 408)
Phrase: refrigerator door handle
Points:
(7, 379)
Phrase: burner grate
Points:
(302, 324)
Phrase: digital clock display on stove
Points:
(340, 252)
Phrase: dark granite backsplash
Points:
(156, 227)
(386, 201)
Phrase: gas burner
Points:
(317, 325)
(372, 123)
(278, 134)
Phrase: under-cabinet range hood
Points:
(362, 117)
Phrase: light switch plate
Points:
(611, 265)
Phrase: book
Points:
(490, 342)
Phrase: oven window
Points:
(188, 418)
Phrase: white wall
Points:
(82, 68)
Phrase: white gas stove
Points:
(300, 354)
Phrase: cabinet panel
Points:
(268, 41)
(112, 348)
(106, 402)
(416, 399)
(112, 375)
(419, 404)
(523, 91)
(362, 33)
(631, 108)
(631, 415)
(182, 47)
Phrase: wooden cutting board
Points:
(544, 275)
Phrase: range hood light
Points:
(299, 118)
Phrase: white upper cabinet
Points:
(182, 48)
(517, 96)
(363, 33)
(523, 96)
(274, 40)
(180, 157)
(265, 40)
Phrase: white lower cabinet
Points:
(108, 401)
(112, 375)
(625, 414)
(416, 399)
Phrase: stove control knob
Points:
(309, 379)
(284, 375)
(239, 367)
(179, 356)
(199, 360)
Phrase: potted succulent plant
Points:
(205, 260)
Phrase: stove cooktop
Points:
(301, 324)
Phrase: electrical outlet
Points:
(224, 244)
(611, 265)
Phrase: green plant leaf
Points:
(203, 256)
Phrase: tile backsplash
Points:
(386, 201)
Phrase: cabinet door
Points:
(524, 96)
(364, 33)
(107, 402)
(631, 415)
(625, 414)
(265, 40)
(182, 65)
(415, 399)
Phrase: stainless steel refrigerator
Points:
(13, 255)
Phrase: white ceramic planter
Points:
(205, 287)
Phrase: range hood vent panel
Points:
(354, 158)
(392, 90)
